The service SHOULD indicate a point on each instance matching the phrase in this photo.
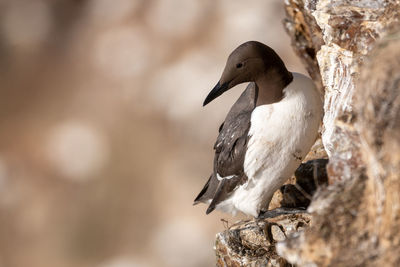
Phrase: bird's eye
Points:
(239, 65)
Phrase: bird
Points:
(266, 134)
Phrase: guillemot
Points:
(266, 134)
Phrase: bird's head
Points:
(245, 64)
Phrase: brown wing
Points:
(230, 149)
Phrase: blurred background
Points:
(104, 143)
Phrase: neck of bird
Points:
(270, 86)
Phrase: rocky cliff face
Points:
(352, 51)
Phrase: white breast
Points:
(281, 136)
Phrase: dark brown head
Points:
(247, 63)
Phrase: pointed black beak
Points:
(216, 92)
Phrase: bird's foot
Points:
(280, 211)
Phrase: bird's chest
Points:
(278, 137)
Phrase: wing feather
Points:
(230, 149)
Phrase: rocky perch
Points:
(351, 49)
(253, 243)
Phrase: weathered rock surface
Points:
(341, 33)
(306, 35)
(352, 51)
(252, 243)
(356, 221)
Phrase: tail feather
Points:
(208, 193)
(201, 196)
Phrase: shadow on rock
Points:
(310, 176)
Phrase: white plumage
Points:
(281, 134)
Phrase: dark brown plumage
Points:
(229, 150)
(250, 62)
